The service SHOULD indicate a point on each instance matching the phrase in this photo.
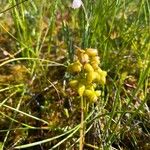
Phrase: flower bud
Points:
(103, 80)
(95, 59)
(90, 95)
(88, 68)
(79, 52)
(97, 77)
(81, 89)
(73, 83)
(92, 52)
(98, 93)
(95, 65)
(75, 67)
(90, 76)
(84, 58)
(91, 86)
(93, 98)
(102, 75)
(99, 70)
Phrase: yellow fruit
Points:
(88, 68)
(73, 83)
(81, 89)
(92, 52)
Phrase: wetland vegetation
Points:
(75, 78)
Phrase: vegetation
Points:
(75, 78)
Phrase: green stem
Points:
(82, 125)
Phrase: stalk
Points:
(82, 125)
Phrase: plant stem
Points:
(82, 125)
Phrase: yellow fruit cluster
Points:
(87, 74)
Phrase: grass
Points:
(38, 40)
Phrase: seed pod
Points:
(81, 89)
(90, 95)
(92, 52)
(73, 83)
(88, 68)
